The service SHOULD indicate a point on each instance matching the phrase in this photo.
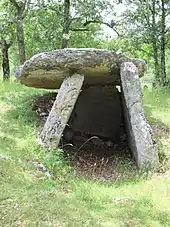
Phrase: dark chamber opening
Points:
(98, 112)
(97, 123)
(94, 139)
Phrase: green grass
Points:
(30, 198)
(157, 106)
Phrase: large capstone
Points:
(49, 69)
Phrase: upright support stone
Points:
(139, 132)
(61, 111)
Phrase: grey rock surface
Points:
(139, 131)
(61, 111)
(48, 69)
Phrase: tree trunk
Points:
(163, 27)
(66, 24)
(20, 35)
(20, 8)
(5, 60)
(157, 78)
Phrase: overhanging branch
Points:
(79, 30)
(111, 25)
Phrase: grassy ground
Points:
(29, 197)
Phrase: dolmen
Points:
(88, 99)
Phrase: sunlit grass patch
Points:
(157, 104)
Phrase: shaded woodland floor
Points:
(46, 189)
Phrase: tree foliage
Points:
(146, 22)
(142, 30)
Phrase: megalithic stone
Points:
(61, 111)
(139, 132)
(49, 69)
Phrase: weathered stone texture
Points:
(139, 131)
(48, 70)
(61, 111)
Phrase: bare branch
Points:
(79, 30)
(111, 25)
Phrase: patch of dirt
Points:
(100, 161)
(43, 105)
(91, 156)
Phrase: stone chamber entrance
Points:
(95, 137)
(89, 115)
(97, 112)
